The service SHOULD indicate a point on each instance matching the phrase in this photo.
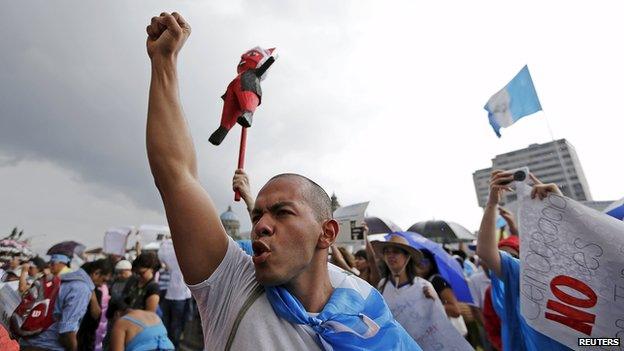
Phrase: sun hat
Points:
(396, 240)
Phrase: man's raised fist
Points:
(166, 35)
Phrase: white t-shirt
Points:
(220, 298)
(176, 289)
(478, 283)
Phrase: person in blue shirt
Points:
(516, 334)
(71, 305)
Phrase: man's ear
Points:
(330, 234)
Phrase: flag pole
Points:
(561, 162)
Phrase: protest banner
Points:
(572, 269)
(351, 221)
(426, 321)
(115, 240)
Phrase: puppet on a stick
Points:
(242, 97)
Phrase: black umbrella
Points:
(442, 231)
(67, 248)
(377, 225)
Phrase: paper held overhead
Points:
(351, 221)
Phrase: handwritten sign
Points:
(351, 220)
(572, 269)
(424, 319)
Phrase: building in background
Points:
(553, 162)
(230, 222)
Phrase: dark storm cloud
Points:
(75, 81)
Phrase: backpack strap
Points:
(255, 294)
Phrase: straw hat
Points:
(400, 242)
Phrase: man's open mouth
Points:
(261, 252)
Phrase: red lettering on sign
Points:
(570, 316)
(576, 285)
(567, 315)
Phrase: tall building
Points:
(553, 162)
(231, 223)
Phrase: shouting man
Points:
(285, 297)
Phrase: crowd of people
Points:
(114, 303)
(291, 287)
(109, 303)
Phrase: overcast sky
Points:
(376, 100)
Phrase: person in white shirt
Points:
(177, 300)
(276, 299)
(413, 300)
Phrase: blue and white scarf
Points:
(356, 316)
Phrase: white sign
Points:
(351, 220)
(149, 233)
(572, 269)
(426, 321)
(115, 240)
(9, 300)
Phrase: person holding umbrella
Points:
(427, 269)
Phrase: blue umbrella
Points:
(448, 267)
(616, 209)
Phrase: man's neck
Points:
(312, 287)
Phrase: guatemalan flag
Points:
(516, 100)
(355, 318)
(616, 209)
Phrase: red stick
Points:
(241, 157)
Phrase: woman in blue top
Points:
(136, 330)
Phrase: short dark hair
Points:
(103, 265)
(146, 260)
(39, 262)
(361, 254)
(314, 195)
(120, 304)
(432, 263)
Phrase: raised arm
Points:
(240, 182)
(198, 237)
(338, 259)
(511, 222)
(375, 275)
(23, 282)
(487, 248)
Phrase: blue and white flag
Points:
(616, 209)
(516, 100)
(356, 316)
